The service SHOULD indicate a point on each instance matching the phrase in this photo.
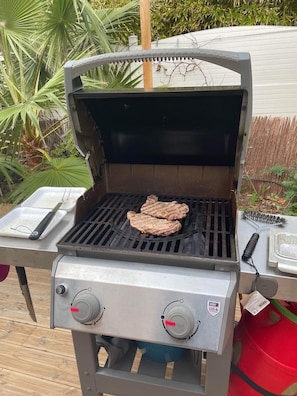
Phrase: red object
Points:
(4, 270)
(169, 323)
(265, 352)
(74, 309)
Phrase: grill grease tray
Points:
(207, 233)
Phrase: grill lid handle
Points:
(239, 62)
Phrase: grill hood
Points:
(187, 141)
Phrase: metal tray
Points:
(283, 251)
(48, 197)
(286, 245)
(21, 221)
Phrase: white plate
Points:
(48, 197)
(21, 221)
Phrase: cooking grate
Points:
(207, 231)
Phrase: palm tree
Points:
(36, 39)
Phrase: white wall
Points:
(273, 51)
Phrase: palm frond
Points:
(19, 20)
(122, 21)
(56, 172)
(9, 169)
(36, 38)
(58, 27)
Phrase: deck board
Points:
(34, 359)
(15, 383)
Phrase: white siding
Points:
(273, 51)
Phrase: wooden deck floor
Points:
(34, 359)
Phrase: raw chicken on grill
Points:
(151, 225)
(164, 210)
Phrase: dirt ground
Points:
(4, 208)
(262, 204)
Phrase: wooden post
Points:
(145, 26)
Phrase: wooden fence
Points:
(273, 141)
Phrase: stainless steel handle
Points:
(36, 234)
(237, 61)
(40, 228)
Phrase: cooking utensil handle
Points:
(250, 247)
(25, 291)
(42, 225)
(239, 62)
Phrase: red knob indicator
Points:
(169, 323)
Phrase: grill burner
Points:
(207, 232)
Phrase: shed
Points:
(273, 51)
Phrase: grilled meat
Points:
(151, 225)
(164, 210)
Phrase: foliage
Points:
(10, 169)
(97, 4)
(122, 28)
(172, 17)
(65, 147)
(32, 86)
(263, 199)
(277, 170)
(55, 172)
(36, 39)
(289, 185)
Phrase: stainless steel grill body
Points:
(184, 145)
(135, 300)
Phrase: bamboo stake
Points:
(145, 26)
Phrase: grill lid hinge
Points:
(93, 164)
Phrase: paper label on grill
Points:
(254, 302)
(213, 307)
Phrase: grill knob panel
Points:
(179, 322)
(85, 307)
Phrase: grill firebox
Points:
(207, 233)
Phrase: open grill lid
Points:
(197, 127)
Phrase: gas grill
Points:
(111, 282)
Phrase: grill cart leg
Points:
(86, 352)
(218, 371)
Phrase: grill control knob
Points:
(85, 307)
(61, 289)
(179, 322)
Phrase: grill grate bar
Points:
(207, 231)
